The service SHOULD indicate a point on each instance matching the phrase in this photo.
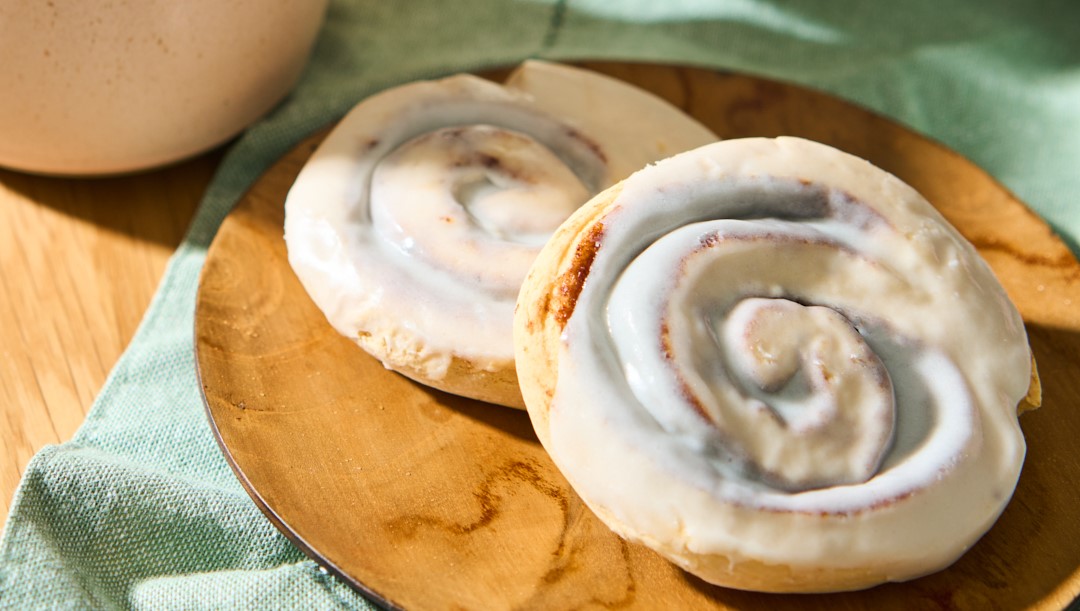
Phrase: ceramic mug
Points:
(102, 87)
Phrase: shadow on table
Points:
(153, 206)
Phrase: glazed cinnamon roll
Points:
(414, 223)
(778, 366)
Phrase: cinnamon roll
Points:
(415, 221)
(778, 366)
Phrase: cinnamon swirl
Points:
(414, 223)
(778, 366)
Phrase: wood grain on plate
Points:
(425, 500)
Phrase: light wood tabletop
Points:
(80, 259)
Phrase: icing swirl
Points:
(780, 356)
(414, 223)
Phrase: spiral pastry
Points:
(414, 223)
(778, 366)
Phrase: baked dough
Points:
(778, 366)
(413, 224)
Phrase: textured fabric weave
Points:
(140, 509)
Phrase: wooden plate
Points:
(424, 500)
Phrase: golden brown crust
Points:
(543, 307)
(758, 576)
(1033, 400)
(465, 379)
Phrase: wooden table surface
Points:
(79, 261)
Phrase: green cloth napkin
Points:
(140, 509)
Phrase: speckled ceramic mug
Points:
(100, 87)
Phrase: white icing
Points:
(414, 223)
(695, 292)
(475, 203)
